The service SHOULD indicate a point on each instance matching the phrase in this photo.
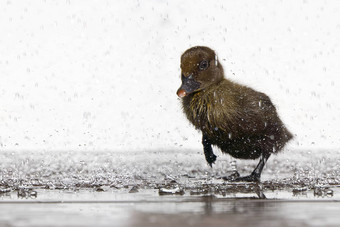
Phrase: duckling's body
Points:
(239, 120)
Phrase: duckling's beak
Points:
(189, 85)
(181, 93)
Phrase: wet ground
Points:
(166, 188)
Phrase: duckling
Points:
(237, 119)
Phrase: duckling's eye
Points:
(203, 65)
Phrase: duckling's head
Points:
(200, 69)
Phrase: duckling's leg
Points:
(255, 176)
(208, 151)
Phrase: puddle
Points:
(165, 189)
(118, 207)
(240, 191)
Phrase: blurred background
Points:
(103, 75)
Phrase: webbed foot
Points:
(235, 177)
(232, 177)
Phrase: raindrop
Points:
(86, 115)
(233, 166)
(329, 192)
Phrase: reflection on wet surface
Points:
(99, 189)
(246, 213)
(148, 208)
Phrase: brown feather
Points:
(236, 118)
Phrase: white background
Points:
(103, 75)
